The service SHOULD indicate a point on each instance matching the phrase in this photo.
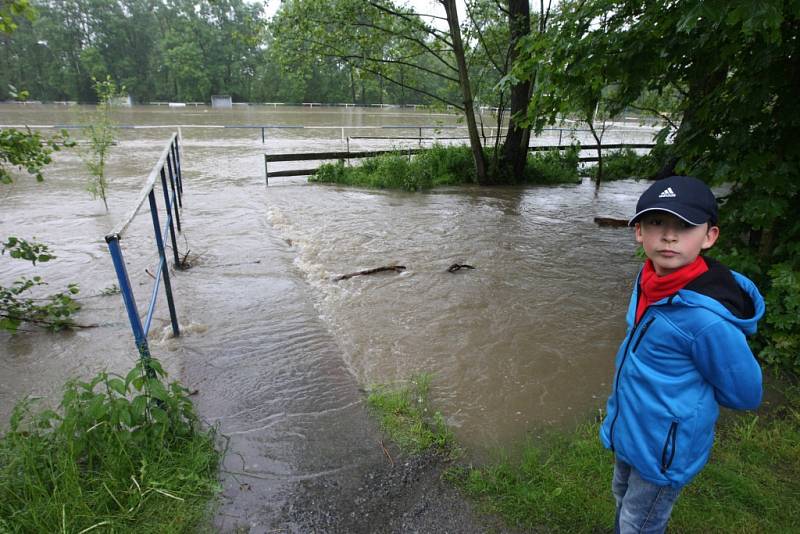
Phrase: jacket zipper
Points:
(672, 437)
(619, 371)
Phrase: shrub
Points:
(125, 453)
(553, 167)
(627, 163)
(436, 166)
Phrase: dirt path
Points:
(303, 453)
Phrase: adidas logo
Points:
(667, 193)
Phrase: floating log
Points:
(458, 266)
(613, 223)
(395, 268)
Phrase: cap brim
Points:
(693, 217)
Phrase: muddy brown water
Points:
(277, 349)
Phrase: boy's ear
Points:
(637, 228)
(711, 237)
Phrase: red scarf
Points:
(655, 288)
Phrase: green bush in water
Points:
(444, 165)
(122, 453)
(434, 167)
(553, 167)
(626, 163)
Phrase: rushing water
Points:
(524, 340)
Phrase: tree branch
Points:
(657, 113)
(481, 39)
(349, 57)
(422, 44)
(401, 84)
(433, 32)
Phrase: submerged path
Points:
(303, 453)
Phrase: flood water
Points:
(523, 341)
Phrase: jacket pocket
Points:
(670, 447)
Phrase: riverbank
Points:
(561, 482)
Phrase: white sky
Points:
(428, 7)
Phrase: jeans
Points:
(642, 507)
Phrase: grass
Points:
(121, 454)
(443, 165)
(751, 484)
(405, 415)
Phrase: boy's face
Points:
(672, 243)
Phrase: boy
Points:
(684, 354)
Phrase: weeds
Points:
(406, 416)
(124, 453)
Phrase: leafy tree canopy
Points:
(730, 70)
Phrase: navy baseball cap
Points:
(683, 196)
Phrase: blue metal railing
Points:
(168, 169)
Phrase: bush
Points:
(434, 167)
(626, 163)
(781, 327)
(444, 165)
(125, 453)
(553, 167)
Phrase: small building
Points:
(221, 101)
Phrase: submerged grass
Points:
(121, 454)
(443, 165)
(563, 484)
(405, 415)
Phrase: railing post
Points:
(169, 219)
(171, 205)
(262, 135)
(266, 169)
(162, 256)
(128, 299)
(173, 174)
(179, 173)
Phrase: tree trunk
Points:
(352, 86)
(515, 150)
(599, 142)
(466, 92)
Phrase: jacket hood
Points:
(731, 295)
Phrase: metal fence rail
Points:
(168, 169)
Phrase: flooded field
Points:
(524, 340)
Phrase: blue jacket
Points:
(686, 356)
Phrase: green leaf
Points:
(157, 389)
(115, 384)
(159, 415)
(136, 372)
(139, 408)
